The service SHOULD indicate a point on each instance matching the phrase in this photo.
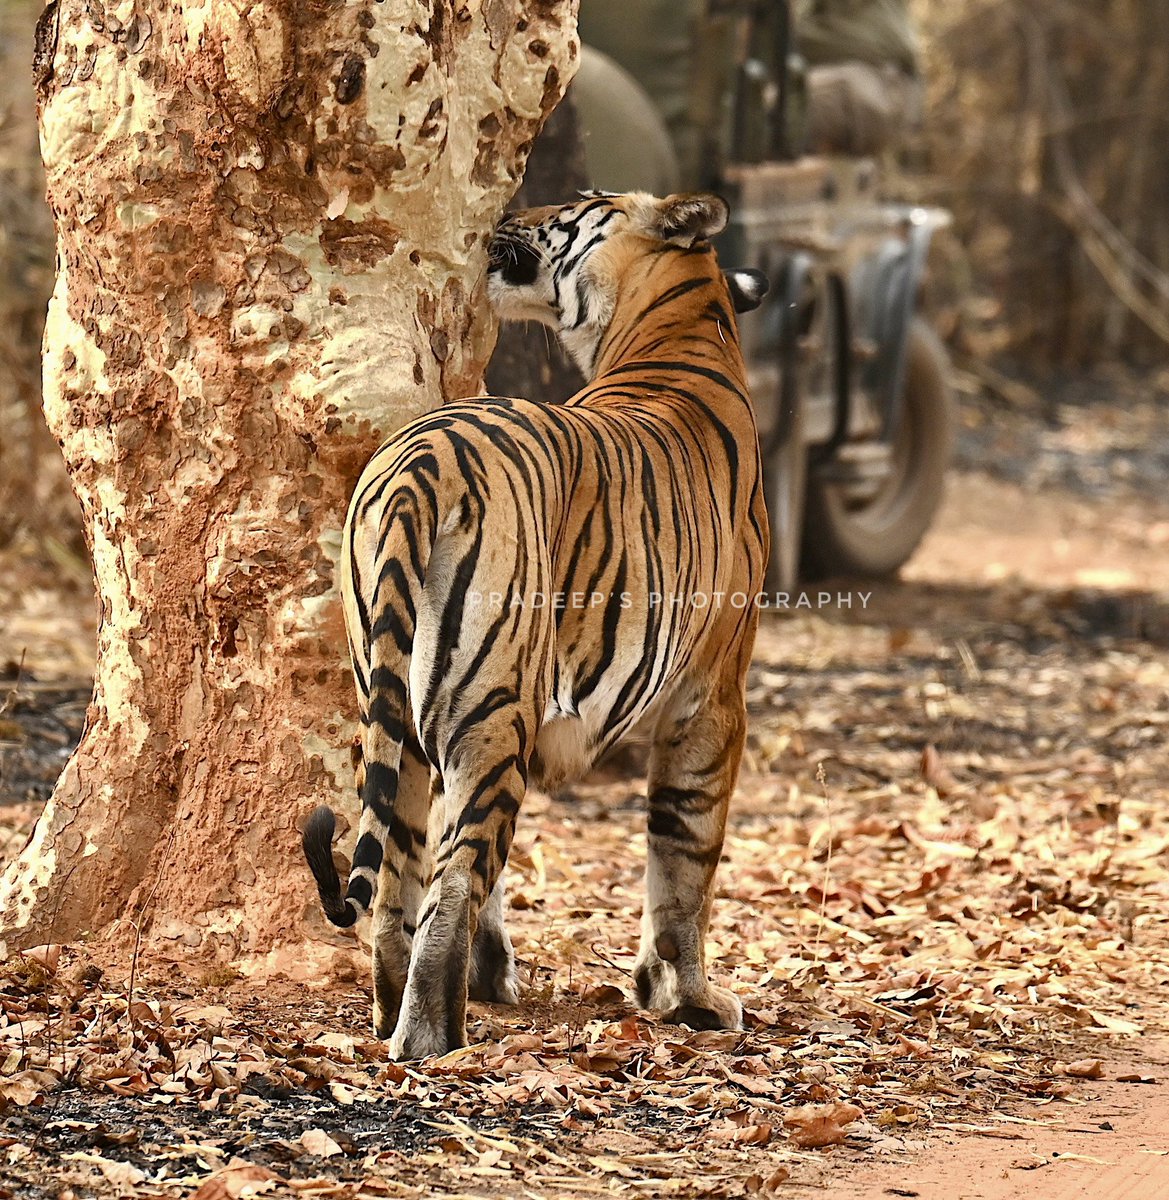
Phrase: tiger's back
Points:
(523, 584)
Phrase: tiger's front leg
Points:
(693, 767)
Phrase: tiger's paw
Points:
(716, 1009)
(385, 1017)
(419, 1038)
(699, 1005)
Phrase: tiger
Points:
(525, 583)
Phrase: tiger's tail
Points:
(317, 840)
(382, 739)
(383, 733)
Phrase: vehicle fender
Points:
(885, 297)
(789, 323)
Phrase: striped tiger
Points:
(524, 583)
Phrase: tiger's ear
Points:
(747, 287)
(686, 218)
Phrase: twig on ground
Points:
(140, 923)
(826, 886)
(11, 694)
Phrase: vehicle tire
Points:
(785, 484)
(876, 536)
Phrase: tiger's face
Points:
(539, 261)
(561, 265)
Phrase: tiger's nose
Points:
(513, 258)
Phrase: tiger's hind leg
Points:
(484, 788)
(479, 680)
(693, 767)
(492, 973)
(403, 879)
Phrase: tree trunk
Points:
(271, 224)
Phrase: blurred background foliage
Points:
(1046, 133)
(35, 499)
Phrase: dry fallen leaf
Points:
(1114, 1024)
(25, 1087)
(123, 1175)
(753, 1135)
(1031, 1163)
(1082, 1068)
(239, 1179)
(934, 772)
(756, 1185)
(605, 996)
(48, 958)
(318, 1142)
(816, 1125)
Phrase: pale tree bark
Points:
(271, 223)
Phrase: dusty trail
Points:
(1113, 1145)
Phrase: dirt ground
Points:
(944, 903)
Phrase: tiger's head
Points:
(562, 266)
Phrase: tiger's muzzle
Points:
(511, 256)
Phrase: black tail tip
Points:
(317, 840)
(318, 833)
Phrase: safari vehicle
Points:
(850, 384)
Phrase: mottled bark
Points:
(271, 224)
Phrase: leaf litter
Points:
(943, 903)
